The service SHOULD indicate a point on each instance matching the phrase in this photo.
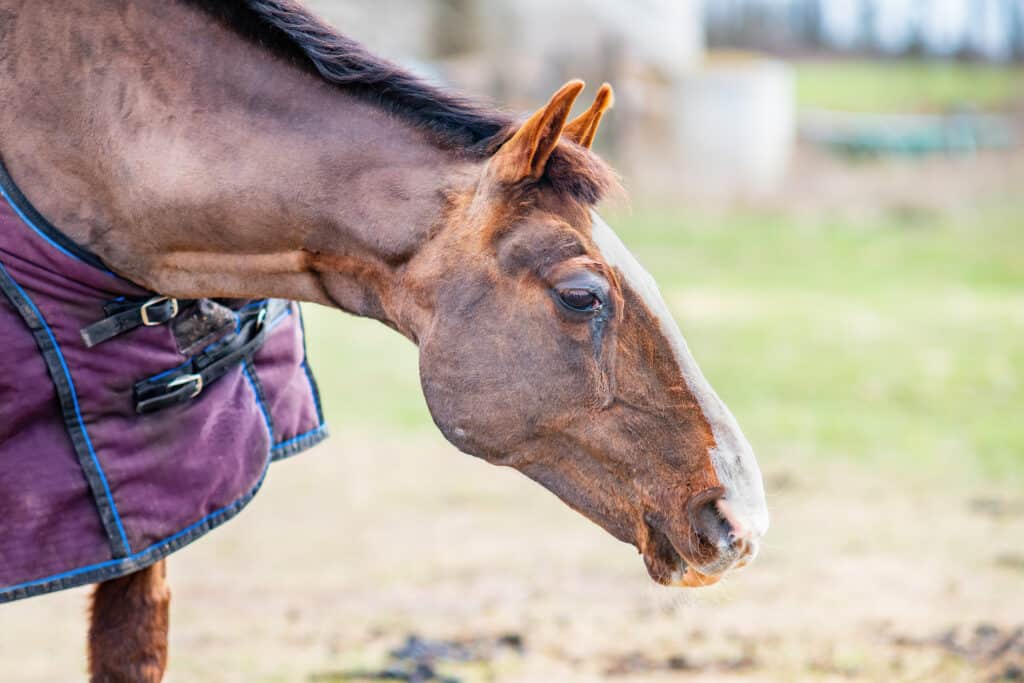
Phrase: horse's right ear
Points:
(583, 128)
(526, 154)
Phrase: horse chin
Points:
(668, 568)
(688, 577)
(679, 574)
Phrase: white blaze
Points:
(732, 456)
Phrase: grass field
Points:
(906, 85)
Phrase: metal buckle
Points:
(185, 379)
(144, 310)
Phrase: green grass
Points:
(906, 85)
(899, 339)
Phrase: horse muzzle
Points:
(713, 541)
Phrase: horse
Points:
(245, 149)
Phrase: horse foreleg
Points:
(128, 629)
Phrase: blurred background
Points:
(831, 196)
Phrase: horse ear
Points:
(583, 128)
(525, 155)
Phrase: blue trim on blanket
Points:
(251, 375)
(297, 444)
(316, 431)
(277, 321)
(313, 388)
(291, 446)
(78, 412)
(129, 562)
(258, 397)
(110, 569)
(168, 371)
(49, 240)
(251, 304)
(166, 543)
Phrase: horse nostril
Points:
(713, 520)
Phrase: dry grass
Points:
(367, 539)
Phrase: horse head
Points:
(545, 346)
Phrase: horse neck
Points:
(197, 165)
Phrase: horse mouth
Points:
(667, 566)
(688, 577)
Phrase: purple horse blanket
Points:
(130, 424)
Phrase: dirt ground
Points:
(370, 545)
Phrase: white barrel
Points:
(733, 126)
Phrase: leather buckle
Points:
(144, 311)
(185, 379)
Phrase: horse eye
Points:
(580, 299)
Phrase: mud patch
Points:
(1011, 561)
(637, 662)
(998, 508)
(423, 660)
(997, 654)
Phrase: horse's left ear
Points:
(526, 154)
(583, 128)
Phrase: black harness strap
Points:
(126, 315)
(188, 381)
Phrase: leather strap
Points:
(188, 381)
(127, 315)
(205, 322)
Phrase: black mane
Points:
(291, 31)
